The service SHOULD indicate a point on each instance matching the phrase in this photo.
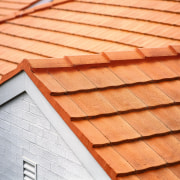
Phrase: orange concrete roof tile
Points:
(176, 170)
(157, 70)
(139, 155)
(116, 163)
(145, 123)
(80, 82)
(50, 83)
(130, 74)
(164, 173)
(90, 133)
(93, 104)
(91, 30)
(123, 106)
(170, 89)
(122, 99)
(165, 115)
(120, 130)
(102, 77)
(151, 95)
(167, 147)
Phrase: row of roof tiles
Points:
(79, 32)
(117, 102)
(113, 117)
(115, 113)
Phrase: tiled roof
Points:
(8, 7)
(123, 106)
(76, 27)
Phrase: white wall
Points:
(24, 131)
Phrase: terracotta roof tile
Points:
(176, 170)
(177, 48)
(80, 82)
(88, 131)
(145, 123)
(139, 155)
(8, 7)
(167, 147)
(6, 67)
(169, 89)
(120, 130)
(177, 136)
(164, 173)
(156, 98)
(130, 74)
(153, 52)
(50, 83)
(85, 60)
(93, 104)
(165, 115)
(123, 100)
(129, 55)
(47, 64)
(70, 107)
(102, 77)
(111, 108)
(116, 163)
(133, 177)
(124, 105)
(173, 65)
(157, 70)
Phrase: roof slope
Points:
(87, 27)
(124, 107)
(8, 7)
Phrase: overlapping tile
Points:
(84, 30)
(133, 117)
(124, 106)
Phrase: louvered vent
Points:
(29, 170)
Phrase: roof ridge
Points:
(31, 10)
(97, 60)
(105, 58)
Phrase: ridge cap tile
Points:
(177, 48)
(158, 52)
(87, 59)
(123, 55)
(49, 63)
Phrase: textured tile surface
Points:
(124, 106)
(125, 113)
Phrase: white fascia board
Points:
(22, 83)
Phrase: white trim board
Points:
(22, 83)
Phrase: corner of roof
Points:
(24, 12)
